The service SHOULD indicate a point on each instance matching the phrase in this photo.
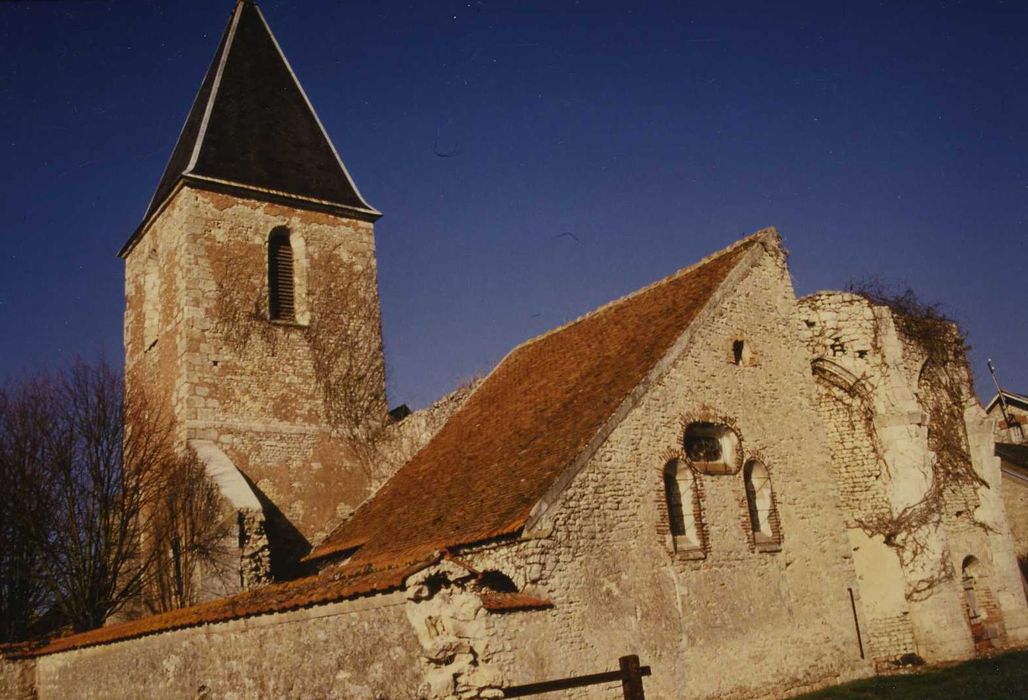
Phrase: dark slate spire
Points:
(253, 128)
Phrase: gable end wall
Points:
(784, 617)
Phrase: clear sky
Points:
(882, 139)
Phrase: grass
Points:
(995, 678)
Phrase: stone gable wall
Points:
(602, 553)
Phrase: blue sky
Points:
(882, 139)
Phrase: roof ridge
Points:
(734, 273)
(766, 231)
(770, 230)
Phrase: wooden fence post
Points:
(631, 678)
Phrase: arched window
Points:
(680, 496)
(281, 306)
(758, 498)
(972, 570)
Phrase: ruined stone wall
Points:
(906, 431)
(602, 554)
(284, 400)
(359, 650)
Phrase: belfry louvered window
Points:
(281, 306)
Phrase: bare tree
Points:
(24, 412)
(190, 532)
(101, 478)
(108, 509)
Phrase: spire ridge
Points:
(252, 128)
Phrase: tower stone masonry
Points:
(251, 298)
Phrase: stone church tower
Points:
(251, 302)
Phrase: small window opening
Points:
(712, 448)
(741, 353)
(280, 276)
(680, 496)
(758, 498)
(496, 581)
(837, 347)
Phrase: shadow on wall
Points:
(287, 544)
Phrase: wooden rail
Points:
(629, 673)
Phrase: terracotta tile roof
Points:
(482, 473)
(510, 602)
(328, 587)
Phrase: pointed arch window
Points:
(682, 506)
(760, 500)
(281, 293)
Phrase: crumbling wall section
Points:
(895, 394)
(454, 629)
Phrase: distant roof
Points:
(1015, 455)
(1010, 397)
(252, 126)
(526, 423)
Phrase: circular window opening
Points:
(713, 448)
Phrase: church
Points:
(758, 494)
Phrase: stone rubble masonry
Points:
(878, 397)
(362, 649)
(236, 380)
(1015, 479)
(18, 679)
